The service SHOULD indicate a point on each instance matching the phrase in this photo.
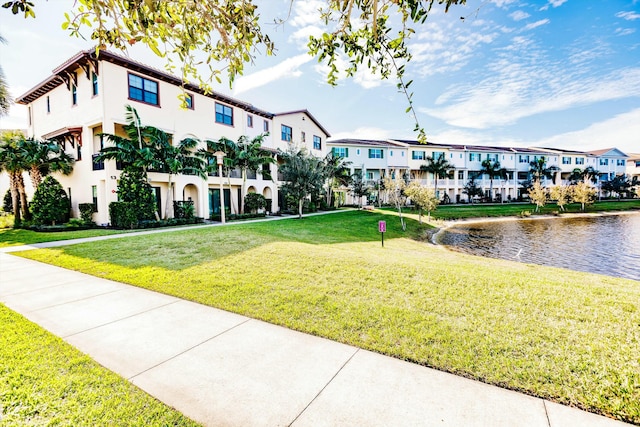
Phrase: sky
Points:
(544, 73)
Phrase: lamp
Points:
(220, 160)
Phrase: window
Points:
(78, 152)
(492, 157)
(265, 126)
(523, 158)
(94, 84)
(474, 157)
(317, 142)
(579, 160)
(188, 101)
(376, 153)
(74, 95)
(402, 153)
(638, 163)
(437, 155)
(340, 151)
(249, 120)
(460, 175)
(48, 104)
(604, 162)
(29, 115)
(370, 176)
(303, 137)
(417, 155)
(566, 160)
(390, 153)
(224, 114)
(94, 194)
(620, 162)
(358, 151)
(143, 90)
(285, 133)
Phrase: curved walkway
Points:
(220, 368)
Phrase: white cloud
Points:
(621, 131)
(557, 3)
(502, 3)
(290, 67)
(519, 15)
(629, 16)
(366, 133)
(536, 24)
(625, 31)
(522, 82)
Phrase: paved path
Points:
(220, 368)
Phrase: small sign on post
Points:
(382, 228)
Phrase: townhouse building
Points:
(633, 166)
(86, 96)
(379, 158)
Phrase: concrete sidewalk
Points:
(220, 368)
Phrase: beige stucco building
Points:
(86, 96)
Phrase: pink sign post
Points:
(382, 228)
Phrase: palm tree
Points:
(303, 175)
(134, 150)
(230, 149)
(44, 157)
(588, 174)
(494, 170)
(174, 160)
(540, 170)
(5, 97)
(251, 156)
(12, 162)
(439, 167)
(337, 173)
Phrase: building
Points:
(86, 96)
(633, 166)
(379, 158)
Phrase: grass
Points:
(17, 237)
(448, 212)
(45, 381)
(566, 336)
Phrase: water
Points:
(607, 245)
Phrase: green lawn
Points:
(448, 212)
(17, 237)
(45, 381)
(568, 336)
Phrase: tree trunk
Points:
(242, 192)
(233, 207)
(36, 177)
(169, 202)
(15, 197)
(300, 203)
(24, 204)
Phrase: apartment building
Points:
(86, 96)
(633, 166)
(379, 158)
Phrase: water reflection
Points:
(607, 245)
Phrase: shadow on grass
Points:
(183, 249)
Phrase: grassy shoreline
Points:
(566, 336)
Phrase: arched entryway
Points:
(190, 193)
(267, 193)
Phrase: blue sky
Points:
(555, 73)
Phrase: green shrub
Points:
(86, 212)
(184, 209)
(123, 214)
(7, 202)
(50, 203)
(134, 188)
(254, 201)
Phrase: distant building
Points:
(376, 159)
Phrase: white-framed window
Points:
(566, 160)
(474, 157)
(579, 160)
(317, 142)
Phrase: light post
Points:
(220, 159)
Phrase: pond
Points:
(604, 244)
